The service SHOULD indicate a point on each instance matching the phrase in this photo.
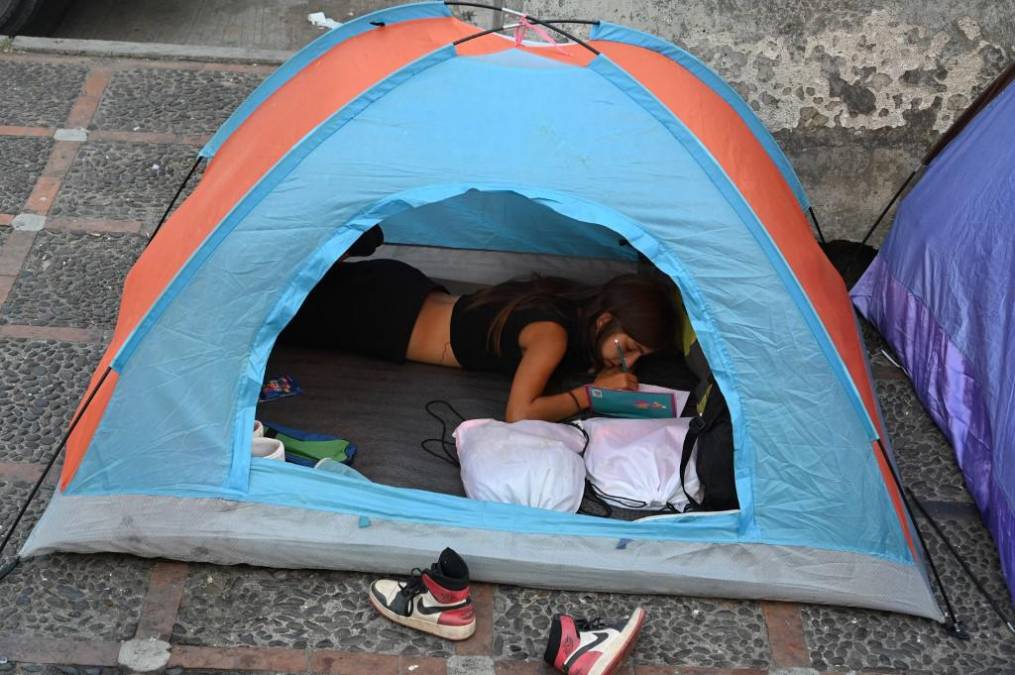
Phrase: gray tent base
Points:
(228, 532)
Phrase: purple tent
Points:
(942, 292)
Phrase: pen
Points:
(620, 353)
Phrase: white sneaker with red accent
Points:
(434, 600)
(580, 647)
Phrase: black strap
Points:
(694, 429)
(698, 425)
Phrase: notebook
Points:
(648, 401)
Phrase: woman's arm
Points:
(543, 345)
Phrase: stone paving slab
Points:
(712, 633)
(88, 597)
(841, 638)
(118, 180)
(43, 383)
(38, 94)
(291, 608)
(72, 279)
(180, 101)
(22, 160)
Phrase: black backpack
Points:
(713, 430)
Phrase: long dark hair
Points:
(638, 305)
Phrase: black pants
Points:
(367, 307)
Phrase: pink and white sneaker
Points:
(434, 600)
(580, 647)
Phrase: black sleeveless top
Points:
(470, 331)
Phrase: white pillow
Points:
(528, 462)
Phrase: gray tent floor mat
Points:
(381, 407)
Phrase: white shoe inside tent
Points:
(268, 448)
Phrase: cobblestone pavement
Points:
(95, 198)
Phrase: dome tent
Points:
(949, 321)
(386, 116)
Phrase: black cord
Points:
(8, 567)
(175, 197)
(814, 218)
(884, 212)
(859, 249)
(450, 452)
(941, 535)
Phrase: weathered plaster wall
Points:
(855, 91)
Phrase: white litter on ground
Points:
(322, 21)
(144, 656)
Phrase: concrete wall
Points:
(855, 91)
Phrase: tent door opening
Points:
(380, 406)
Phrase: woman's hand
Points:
(614, 378)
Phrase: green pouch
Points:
(311, 446)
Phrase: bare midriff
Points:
(430, 341)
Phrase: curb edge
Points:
(145, 50)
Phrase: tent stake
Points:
(8, 567)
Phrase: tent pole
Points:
(504, 10)
(175, 197)
(8, 567)
(953, 625)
